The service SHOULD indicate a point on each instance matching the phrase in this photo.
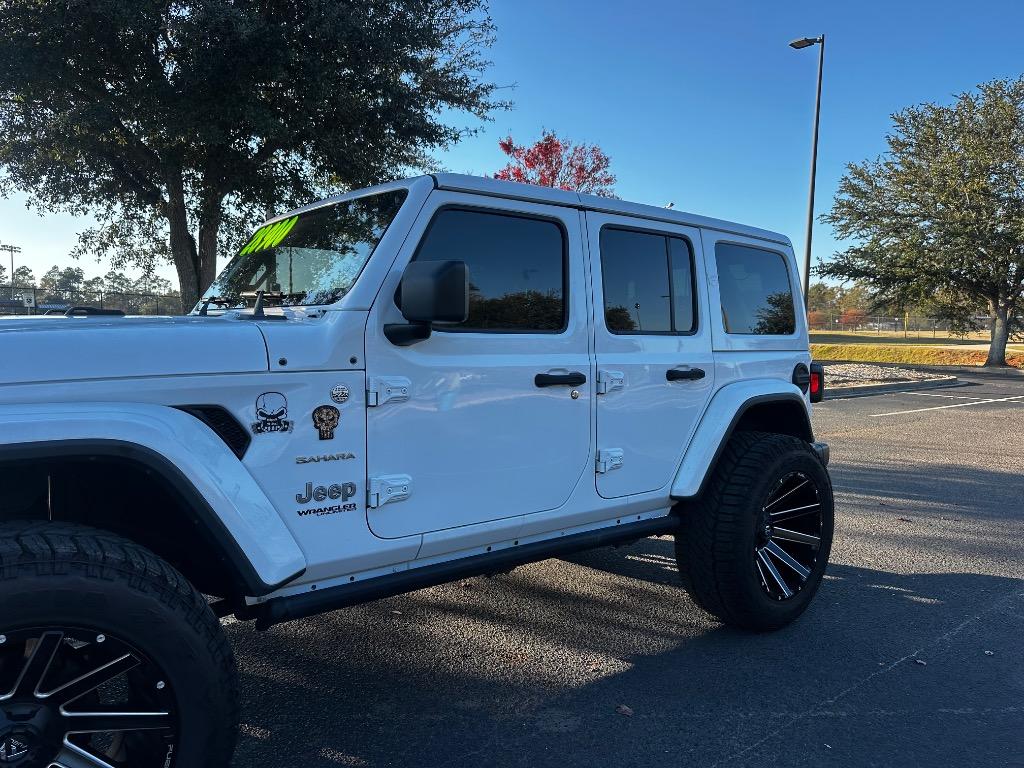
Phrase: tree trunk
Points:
(209, 227)
(183, 245)
(1000, 335)
(187, 282)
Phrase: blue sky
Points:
(703, 103)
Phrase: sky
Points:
(699, 103)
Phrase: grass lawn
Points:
(908, 354)
(895, 337)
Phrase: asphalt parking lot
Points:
(911, 654)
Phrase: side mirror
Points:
(435, 292)
(430, 292)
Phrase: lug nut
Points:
(100, 638)
(3, 639)
(160, 685)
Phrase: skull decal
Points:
(325, 419)
(272, 412)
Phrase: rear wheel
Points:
(753, 549)
(108, 657)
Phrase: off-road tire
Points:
(54, 573)
(715, 545)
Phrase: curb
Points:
(862, 390)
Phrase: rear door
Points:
(483, 417)
(655, 366)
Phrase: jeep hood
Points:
(43, 349)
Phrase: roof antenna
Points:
(670, 206)
(257, 308)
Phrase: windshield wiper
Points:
(260, 299)
(263, 297)
(220, 301)
(271, 298)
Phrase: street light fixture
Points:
(803, 42)
(800, 43)
(11, 249)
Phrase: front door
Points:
(478, 423)
(655, 367)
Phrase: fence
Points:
(907, 326)
(28, 300)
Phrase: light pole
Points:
(11, 249)
(806, 42)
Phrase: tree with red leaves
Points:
(853, 316)
(555, 162)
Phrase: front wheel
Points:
(108, 657)
(753, 549)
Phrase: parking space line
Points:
(951, 397)
(1016, 398)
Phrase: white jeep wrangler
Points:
(406, 385)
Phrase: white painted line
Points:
(951, 397)
(1016, 398)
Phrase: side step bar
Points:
(310, 603)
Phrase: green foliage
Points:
(619, 318)
(522, 309)
(115, 290)
(838, 298)
(939, 219)
(178, 125)
(858, 296)
(777, 316)
(24, 277)
(67, 280)
(822, 297)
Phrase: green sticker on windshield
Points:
(269, 236)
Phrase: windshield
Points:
(311, 258)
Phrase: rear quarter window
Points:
(757, 298)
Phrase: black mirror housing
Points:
(435, 292)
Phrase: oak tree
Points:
(939, 218)
(176, 123)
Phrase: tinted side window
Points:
(755, 290)
(648, 282)
(516, 268)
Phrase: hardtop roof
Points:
(458, 182)
(481, 185)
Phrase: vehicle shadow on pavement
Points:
(932, 517)
(971, 490)
(604, 660)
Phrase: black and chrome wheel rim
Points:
(74, 698)
(788, 538)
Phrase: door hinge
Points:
(609, 459)
(387, 389)
(610, 380)
(387, 488)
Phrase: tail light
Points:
(817, 383)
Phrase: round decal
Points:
(339, 394)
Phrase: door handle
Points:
(687, 374)
(573, 379)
